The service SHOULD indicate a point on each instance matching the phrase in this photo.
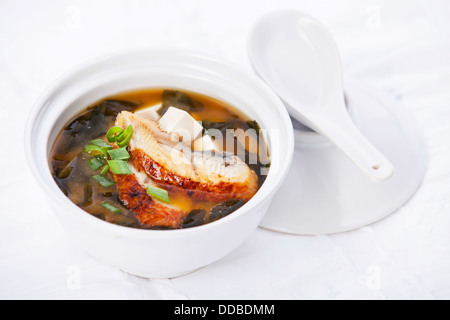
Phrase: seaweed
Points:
(111, 108)
(88, 192)
(194, 218)
(180, 100)
(224, 209)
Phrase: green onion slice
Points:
(124, 134)
(124, 138)
(119, 154)
(93, 150)
(119, 167)
(96, 163)
(104, 182)
(100, 143)
(113, 133)
(104, 170)
(158, 193)
(110, 207)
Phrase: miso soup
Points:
(160, 159)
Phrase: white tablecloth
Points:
(402, 47)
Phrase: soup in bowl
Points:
(159, 162)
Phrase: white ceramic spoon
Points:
(298, 58)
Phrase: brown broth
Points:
(72, 173)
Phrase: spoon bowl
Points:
(298, 58)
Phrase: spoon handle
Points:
(346, 136)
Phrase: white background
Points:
(402, 47)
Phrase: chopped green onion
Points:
(158, 193)
(124, 133)
(105, 150)
(104, 170)
(113, 133)
(104, 182)
(119, 167)
(119, 154)
(124, 138)
(110, 207)
(100, 143)
(96, 163)
(93, 150)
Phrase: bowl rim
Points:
(39, 107)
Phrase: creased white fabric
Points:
(402, 47)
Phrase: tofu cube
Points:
(150, 112)
(181, 125)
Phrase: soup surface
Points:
(123, 159)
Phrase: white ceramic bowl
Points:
(158, 253)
